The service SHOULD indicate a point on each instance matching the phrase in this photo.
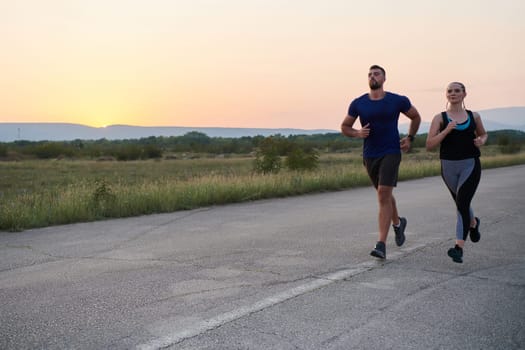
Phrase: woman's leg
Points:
(469, 181)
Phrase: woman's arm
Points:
(481, 134)
(435, 137)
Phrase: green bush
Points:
(103, 198)
(152, 152)
(129, 152)
(267, 163)
(267, 158)
(48, 150)
(300, 159)
(506, 146)
(3, 150)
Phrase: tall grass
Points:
(43, 193)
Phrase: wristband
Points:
(411, 138)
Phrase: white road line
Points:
(320, 281)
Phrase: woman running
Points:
(460, 133)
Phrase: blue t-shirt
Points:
(383, 116)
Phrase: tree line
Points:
(156, 147)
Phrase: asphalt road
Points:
(292, 273)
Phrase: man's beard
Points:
(374, 85)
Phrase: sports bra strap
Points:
(445, 118)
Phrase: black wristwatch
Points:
(411, 138)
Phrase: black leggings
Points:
(462, 178)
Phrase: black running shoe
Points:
(456, 254)
(379, 251)
(474, 232)
(400, 231)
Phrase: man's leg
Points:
(386, 210)
(383, 172)
(395, 214)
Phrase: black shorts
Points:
(383, 170)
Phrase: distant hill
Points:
(493, 119)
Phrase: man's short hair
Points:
(375, 66)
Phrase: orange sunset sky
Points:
(250, 63)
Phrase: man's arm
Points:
(347, 128)
(415, 121)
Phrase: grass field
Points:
(40, 193)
